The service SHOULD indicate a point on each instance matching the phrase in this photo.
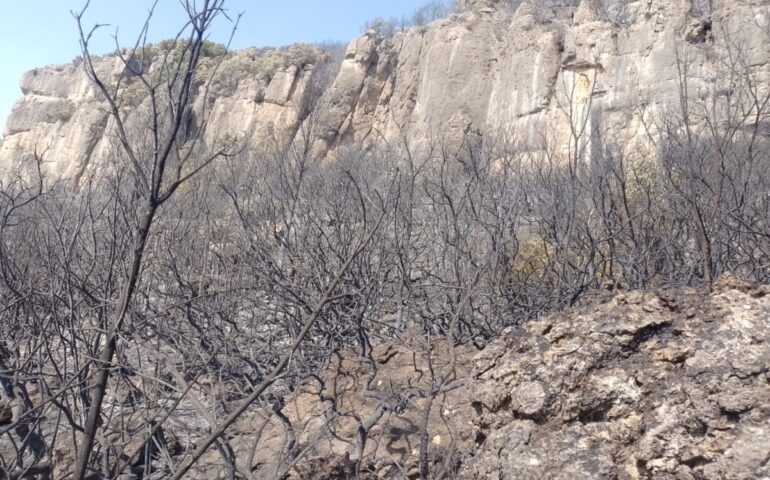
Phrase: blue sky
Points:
(35, 33)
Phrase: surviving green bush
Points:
(61, 111)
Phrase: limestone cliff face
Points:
(492, 69)
(63, 118)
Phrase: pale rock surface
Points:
(256, 95)
(604, 62)
(664, 385)
(490, 70)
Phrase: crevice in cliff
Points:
(646, 333)
(384, 79)
(410, 89)
(98, 132)
(345, 128)
(702, 32)
(596, 413)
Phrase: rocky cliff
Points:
(255, 93)
(525, 70)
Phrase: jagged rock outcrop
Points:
(529, 70)
(667, 385)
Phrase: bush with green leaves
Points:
(423, 15)
(61, 111)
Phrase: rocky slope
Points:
(666, 385)
(669, 384)
(490, 70)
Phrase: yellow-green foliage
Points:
(264, 62)
(133, 94)
(533, 255)
(175, 51)
(176, 47)
(225, 143)
(259, 64)
(243, 63)
(642, 177)
(61, 111)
